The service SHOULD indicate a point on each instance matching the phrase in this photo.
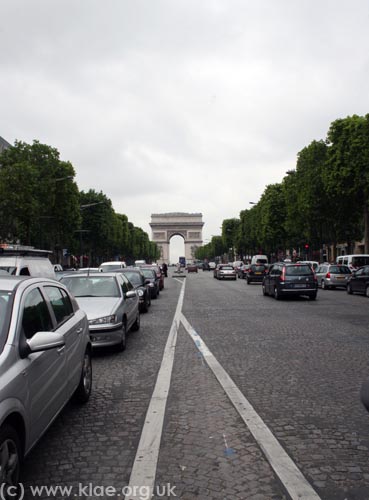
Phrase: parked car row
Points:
(48, 329)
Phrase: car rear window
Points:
(257, 268)
(227, 267)
(339, 270)
(298, 270)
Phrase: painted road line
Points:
(145, 464)
(287, 471)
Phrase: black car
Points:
(358, 282)
(153, 281)
(243, 270)
(284, 280)
(255, 273)
(139, 282)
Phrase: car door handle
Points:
(61, 350)
(79, 330)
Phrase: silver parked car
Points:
(332, 275)
(111, 304)
(45, 359)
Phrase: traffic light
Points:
(306, 246)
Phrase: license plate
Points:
(340, 277)
(300, 285)
(257, 273)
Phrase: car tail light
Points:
(283, 275)
(328, 275)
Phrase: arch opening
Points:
(176, 248)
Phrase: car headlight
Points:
(140, 293)
(104, 320)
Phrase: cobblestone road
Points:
(300, 364)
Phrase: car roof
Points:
(88, 275)
(10, 283)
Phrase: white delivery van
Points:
(259, 259)
(353, 261)
(18, 260)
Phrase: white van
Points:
(353, 261)
(259, 259)
(106, 267)
(18, 260)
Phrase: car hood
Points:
(97, 307)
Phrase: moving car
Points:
(111, 304)
(332, 276)
(255, 273)
(353, 261)
(284, 279)
(225, 271)
(45, 359)
(242, 271)
(358, 282)
(192, 268)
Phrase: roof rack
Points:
(9, 249)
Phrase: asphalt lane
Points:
(300, 363)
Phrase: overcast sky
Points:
(181, 105)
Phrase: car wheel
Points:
(136, 325)
(145, 306)
(264, 289)
(10, 459)
(367, 291)
(83, 391)
(277, 295)
(323, 285)
(313, 296)
(123, 343)
(349, 289)
(364, 394)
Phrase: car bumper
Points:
(104, 337)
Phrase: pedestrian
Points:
(165, 270)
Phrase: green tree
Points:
(347, 176)
(39, 198)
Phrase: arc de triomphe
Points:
(165, 226)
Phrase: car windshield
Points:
(339, 270)
(7, 270)
(360, 261)
(92, 286)
(134, 278)
(298, 270)
(5, 313)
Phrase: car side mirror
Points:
(130, 294)
(42, 341)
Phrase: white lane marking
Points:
(179, 280)
(287, 471)
(145, 464)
